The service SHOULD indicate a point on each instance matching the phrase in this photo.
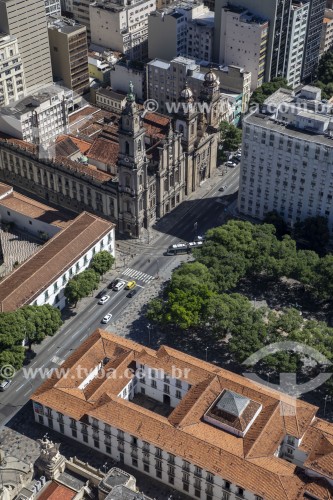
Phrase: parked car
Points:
(132, 293)
(4, 384)
(199, 238)
(107, 318)
(119, 286)
(222, 188)
(102, 293)
(104, 299)
(231, 164)
(113, 283)
(130, 285)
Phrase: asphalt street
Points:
(201, 215)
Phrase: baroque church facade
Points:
(149, 163)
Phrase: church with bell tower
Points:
(162, 159)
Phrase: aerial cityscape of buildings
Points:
(131, 133)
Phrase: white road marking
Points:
(20, 387)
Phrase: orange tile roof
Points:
(104, 150)
(56, 491)
(5, 189)
(28, 280)
(250, 462)
(35, 210)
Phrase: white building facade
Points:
(12, 82)
(287, 158)
(299, 14)
(122, 26)
(38, 118)
(243, 42)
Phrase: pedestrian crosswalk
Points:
(138, 275)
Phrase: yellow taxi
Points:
(130, 285)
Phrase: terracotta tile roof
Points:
(64, 146)
(5, 189)
(250, 462)
(82, 145)
(27, 281)
(104, 150)
(82, 113)
(87, 170)
(27, 146)
(35, 210)
(56, 491)
(156, 125)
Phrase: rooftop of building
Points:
(64, 24)
(5, 38)
(32, 208)
(29, 103)
(116, 6)
(112, 94)
(248, 461)
(55, 491)
(59, 253)
(245, 15)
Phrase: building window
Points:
(185, 486)
(85, 438)
(40, 419)
(153, 384)
(74, 433)
(197, 493)
(171, 480)
(134, 462)
(108, 450)
(96, 443)
(62, 428)
(178, 395)
(240, 491)
(146, 467)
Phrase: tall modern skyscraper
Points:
(312, 45)
(26, 20)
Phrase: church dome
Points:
(186, 93)
(210, 77)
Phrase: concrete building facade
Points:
(204, 432)
(313, 38)
(53, 7)
(124, 72)
(244, 42)
(296, 42)
(287, 154)
(12, 82)
(27, 21)
(122, 26)
(326, 42)
(110, 100)
(69, 54)
(38, 118)
(183, 29)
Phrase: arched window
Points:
(192, 129)
(127, 181)
(127, 147)
(139, 145)
(140, 179)
(181, 129)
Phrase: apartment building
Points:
(244, 42)
(39, 118)
(27, 21)
(122, 26)
(43, 277)
(12, 82)
(166, 80)
(287, 157)
(185, 28)
(299, 15)
(211, 434)
(80, 11)
(326, 42)
(110, 100)
(53, 7)
(69, 54)
(313, 38)
(276, 12)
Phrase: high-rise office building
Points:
(52, 7)
(313, 38)
(26, 20)
(69, 53)
(296, 42)
(12, 85)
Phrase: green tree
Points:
(325, 75)
(267, 89)
(323, 280)
(81, 286)
(231, 136)
(13, 357)
(40, 321)
(102, 262)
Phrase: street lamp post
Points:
(326, 398)
(149, 327)
(206, 349)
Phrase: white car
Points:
(107, 318)
(119, 286)
(104, 299)
(231, 164)
(4, 384)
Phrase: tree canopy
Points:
(267, 89)
(325, 75)
(81, 286)
(102, 262)
(231, 136)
